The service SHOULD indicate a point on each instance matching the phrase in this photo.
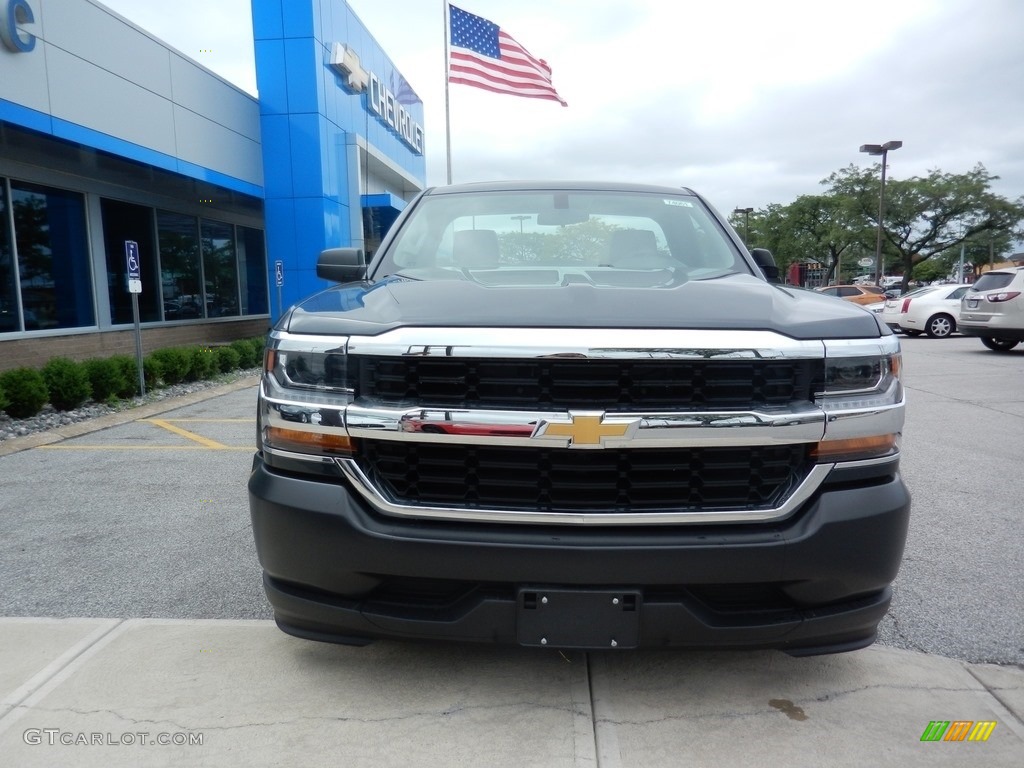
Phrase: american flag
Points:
(485, 56)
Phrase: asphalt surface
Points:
(136, 520)
(141, 530)
(150, 518)
(960, 591)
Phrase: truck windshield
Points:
(544, 237)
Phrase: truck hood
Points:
(731, 302)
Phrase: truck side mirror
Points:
(764, 259)
(341, 265)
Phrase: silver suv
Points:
(994, 309)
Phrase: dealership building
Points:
(130, 173)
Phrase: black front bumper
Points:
(818, 582)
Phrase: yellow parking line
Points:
(185, 433)
(208, 421)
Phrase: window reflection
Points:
(8, 290)
(122, 222)
(253, 274)
(191, 268)
(220, 269)
(179, 266)
(53, 257)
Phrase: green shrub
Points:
(26, 392)
(259, 344)
(129, 375)
(106, 378)
(202, 363)
(152, 373)
(246, 353)
(67, 383)
(175, 364)
(227, 359)
(4, 402)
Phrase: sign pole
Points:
(133, 265)
(138, 344)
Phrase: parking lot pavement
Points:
(241, 693)
(148, 518)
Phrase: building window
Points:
(252, 259)
(53, 257)
(121, 222)
(220, 269)
(180, 271)
(9, 319)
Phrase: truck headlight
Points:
(861, 375)
(308, 365)
(304, 394)
(862, 396)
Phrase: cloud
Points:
(748, 102)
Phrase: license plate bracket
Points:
(580, 619)
(972, 303)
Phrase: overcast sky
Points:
(746, 101)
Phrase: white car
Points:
(933, 310)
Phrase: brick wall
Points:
(34, 353)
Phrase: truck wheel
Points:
(999, 345)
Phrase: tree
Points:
(927, 216)
(820, 228)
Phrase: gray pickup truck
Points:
(577, 415)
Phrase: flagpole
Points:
(447, 108)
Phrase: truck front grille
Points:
(477, 476)
(556, 384)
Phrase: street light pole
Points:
(883, 150)
(746, 223)
(521, 218)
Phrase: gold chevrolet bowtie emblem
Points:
(585, 431)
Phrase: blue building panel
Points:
(277, 176)
(308, 164)
(305, 149)
(383, 200)
(302, 18)
(337, 228)
(30, 118)
(270, 73)
(301, 58)
(267, 21)
(280, 241)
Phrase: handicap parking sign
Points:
(133, 265)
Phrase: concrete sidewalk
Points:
(151, 692)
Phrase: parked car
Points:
(858, 294)
(932, 310)
(993, 309)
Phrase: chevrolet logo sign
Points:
(345, 62)
(586, 430)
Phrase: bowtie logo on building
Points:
(346, 62)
